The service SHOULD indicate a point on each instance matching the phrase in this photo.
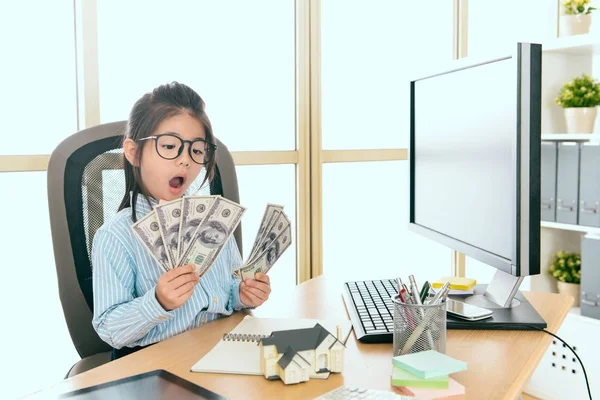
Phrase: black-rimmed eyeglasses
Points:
(170, 146)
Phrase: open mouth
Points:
(177, 181)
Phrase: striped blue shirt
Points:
(126, 312)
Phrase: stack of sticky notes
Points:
(426, 374)
(458, 285)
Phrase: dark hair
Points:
(146, 115)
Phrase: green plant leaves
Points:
(572, 7)
(566, 267)
(581, 91)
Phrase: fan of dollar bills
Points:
(194, 230)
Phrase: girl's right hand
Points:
(176, 286)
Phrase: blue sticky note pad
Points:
(429, 364)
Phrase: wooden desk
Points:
(499, 362)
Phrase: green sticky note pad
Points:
(401, 377)
(429, 364)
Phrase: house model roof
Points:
(292, 341)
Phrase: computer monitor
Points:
(475, 133)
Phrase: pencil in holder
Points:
(419, 327)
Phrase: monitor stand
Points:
(511, 309)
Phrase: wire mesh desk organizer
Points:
(419, 325)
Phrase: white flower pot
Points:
(571, 289)
(577, 24)
(580, 119)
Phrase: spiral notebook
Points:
(238, 351)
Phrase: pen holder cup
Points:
(419, 327)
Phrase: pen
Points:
(404, 297)
(440, 294)
(425, 291)
(414, 289)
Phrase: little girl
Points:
(134, 304)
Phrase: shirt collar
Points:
(141, 204)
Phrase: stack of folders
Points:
(426, 374)
(458, 286)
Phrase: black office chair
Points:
(85, 187)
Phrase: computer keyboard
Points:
(371, 309)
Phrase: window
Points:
(369, 53)
(240, 62)
(37, 43)
(37, 344)
(365, 225)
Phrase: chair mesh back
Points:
(93, 192)
(102, 189)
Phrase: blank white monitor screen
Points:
(465, 149)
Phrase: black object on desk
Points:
(159, 384)
(369, 304)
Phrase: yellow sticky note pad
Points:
(456, 283)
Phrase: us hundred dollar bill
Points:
(147, 230)
(169, 218)
(279, 223)
(193, 211)
(269, 256)
(270, 211)
(212, 234)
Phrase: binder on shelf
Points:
(567, 183)
(590, 277)
(589, 185)
(548, 186)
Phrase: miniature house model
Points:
(296, 355)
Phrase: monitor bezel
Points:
(525, 252)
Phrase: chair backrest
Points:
(85, 187)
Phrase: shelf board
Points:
(570, 227)
(583, 45)
(571, 137)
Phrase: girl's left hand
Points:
(254, 292)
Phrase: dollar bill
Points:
(269, 256)
(212, 234)
(169, 218)
(270, 211)
(280, 222)
(147, 230)
(193, 211)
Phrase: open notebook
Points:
(238, 351)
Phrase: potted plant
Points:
(566, 268)
(576, 18)
(579, 97)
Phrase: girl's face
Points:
(169, 179)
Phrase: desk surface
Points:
(499, 362)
